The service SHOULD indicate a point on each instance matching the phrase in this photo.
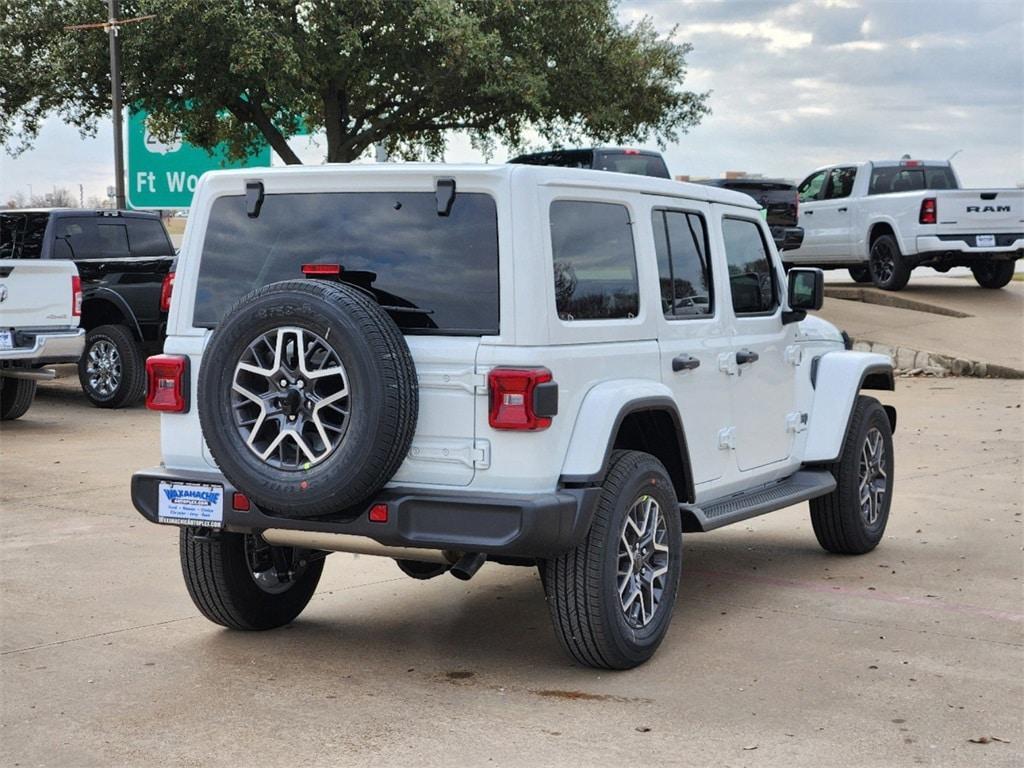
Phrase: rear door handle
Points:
(746, 356)
(841, 210)
(684, 363)
(806, 213)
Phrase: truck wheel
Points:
(112, 370)
(993, 274)
(421, 571)
(235, 581)
(611, 598)
(308, 397)
(852, 519)
(860, 274)
(15, 397)
(889, 270)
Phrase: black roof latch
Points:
(253, 197)
(444, 191)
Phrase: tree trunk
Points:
(253, 113)
(336, 119)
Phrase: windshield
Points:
(434, 274)
(21, 235)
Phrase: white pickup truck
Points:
(40, 311)
(882, 219)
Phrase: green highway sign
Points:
(164, 174)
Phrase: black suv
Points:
(777, 196)
(125, 260)
(641, 162)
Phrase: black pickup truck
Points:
(125, 260)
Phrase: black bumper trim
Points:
(536, 525)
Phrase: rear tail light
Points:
(76, 296)
(321, 269)
(168, 383)
(928, 215)
(166, 289)
(521, 398)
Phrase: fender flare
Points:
(601, 414)
(838, 377)
(113, 297)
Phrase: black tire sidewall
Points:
(132, 383)
(869, 414)
(993, 274)
(16, 396)
(900, 271)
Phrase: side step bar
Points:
(800, 486)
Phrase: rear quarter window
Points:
(21, 235)
(438, 273)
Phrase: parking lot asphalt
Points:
(779, 654)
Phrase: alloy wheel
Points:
(872, 477)
(883, 261)
(103, 368)
(643, 559)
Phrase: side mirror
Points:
(806, 289)
(787, 238)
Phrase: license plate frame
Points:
(985, 241)
(198, 504)
(6, 339)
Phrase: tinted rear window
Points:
(640, 165)
(148, 238)
(896, 178)
(21, 235)
(440, 273)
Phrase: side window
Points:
(840, 182)
(148, 238)
(751, 277)
(594, 261)
(76, 238)
(811, 188)
(680, 242)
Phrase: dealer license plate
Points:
(191, 504)
(6, 340)
(986, 241)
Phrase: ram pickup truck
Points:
(125, 259)
(40, 309)
(880, 220)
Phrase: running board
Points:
(801, 486)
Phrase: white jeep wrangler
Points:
(529, 365)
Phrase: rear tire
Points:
(219, 572)
(416, 569)
(851, 520)
(993, 274)
(112, 368)
(16, 396)
(889, 270)
(860, 274)
(633, 549)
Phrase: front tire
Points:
(611, 598)
(112, 369)
(993, 274)
(233, 578)
(16, 396)
(851, 520)
(889, 270)
(861, 274)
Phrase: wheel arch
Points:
(106, 307)
(638, 416)
(838, 377)
(883, 226)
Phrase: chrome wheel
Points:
(274, 569)
(290, 398)
(883, 261)
(643, 561)
(103, 368)
(873, 481)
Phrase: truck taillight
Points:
(928, 215)
(76, 296)
(166, 289)
(168, 383)
(521, 398)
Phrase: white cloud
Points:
(778, 38)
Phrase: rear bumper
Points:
(1007, 246)
(536, 525)
(63, 346)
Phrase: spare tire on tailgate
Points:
(307, 397)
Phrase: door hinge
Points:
(727, 363)
(465, 379)
(476, 455)
(727, 439)
(796, 421)
(794, 354)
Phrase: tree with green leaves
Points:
(401, 73)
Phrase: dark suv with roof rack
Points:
(641, 162)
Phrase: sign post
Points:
(164, 175)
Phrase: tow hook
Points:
(467, 565)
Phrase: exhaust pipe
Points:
(359, 545)
(468, 565)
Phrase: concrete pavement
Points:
(779, 654)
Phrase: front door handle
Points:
(746, 356)
(684, 363)
(841, 210)
(806, 213)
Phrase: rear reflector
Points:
(240, 502)
(928, 211)
(166, 289)
(521, 398)
(321, 269)
(76, 296)
(379, 513)
(167, 382)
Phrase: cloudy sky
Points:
(795, 84)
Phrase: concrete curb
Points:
(915, 362)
